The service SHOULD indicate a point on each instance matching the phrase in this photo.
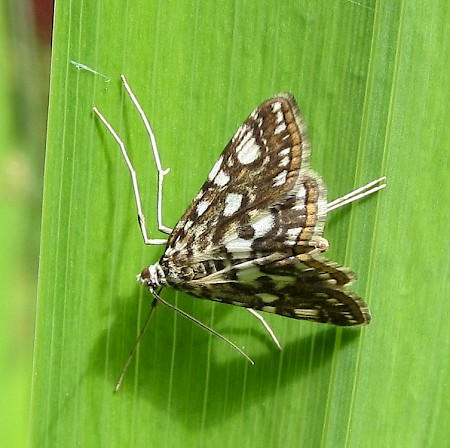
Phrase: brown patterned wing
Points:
(301, 287)
(260, 198)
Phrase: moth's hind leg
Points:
(359, 193)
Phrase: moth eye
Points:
(145, 274)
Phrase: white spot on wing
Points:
(284, 161)
(293, 233)
(199, 230)
(276, 107)
(202, 206)
(233, 202)
(199, 194)
(266, 297)
(299, 207)
(263, 225)
(280, 116)
(215, 169)
(248, 152)
(221, 179)
(239, 247)
(269, 309)
(188, 224)
(280, 179)
(301, 191)
(280, 128)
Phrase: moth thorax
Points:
(152, 277)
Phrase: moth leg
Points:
(267, 327)
(161, 173)
(137, 197)
(357, 194)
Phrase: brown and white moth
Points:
(252, 236)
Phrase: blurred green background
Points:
(25, 30)
(372, 80)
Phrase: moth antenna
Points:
(204, 326)
(134, 349)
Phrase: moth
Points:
(252, 237)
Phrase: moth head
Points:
(151, 277)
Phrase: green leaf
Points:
(372, 81)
